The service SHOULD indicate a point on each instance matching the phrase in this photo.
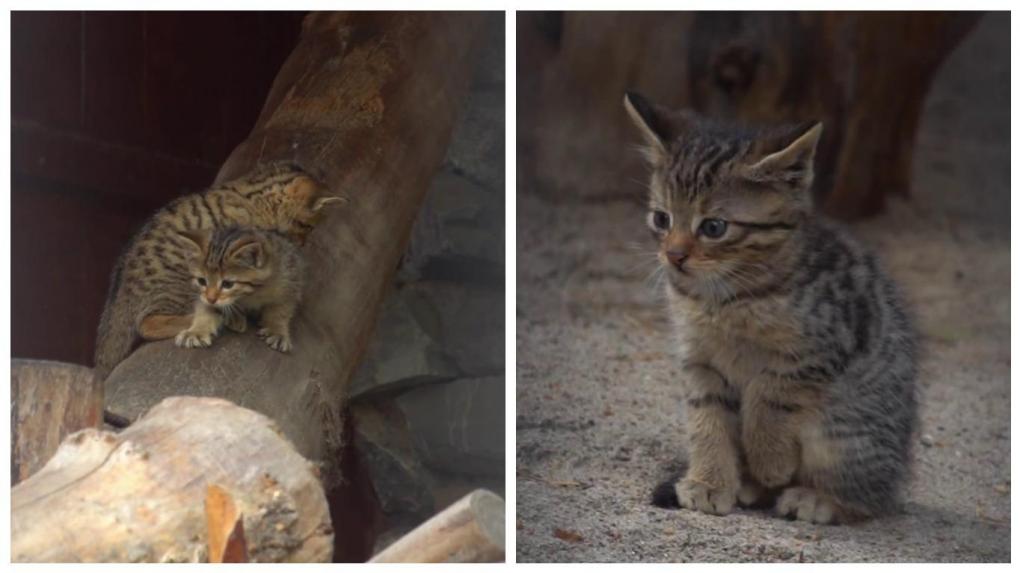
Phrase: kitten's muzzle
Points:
(677, 258)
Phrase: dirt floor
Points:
(598, 417)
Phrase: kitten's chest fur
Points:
(739, 340)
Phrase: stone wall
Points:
(428, 400)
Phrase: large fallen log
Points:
(366, 102)
(49, 401)
(140, 495)
(472, 530)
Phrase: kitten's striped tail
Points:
(115, 337)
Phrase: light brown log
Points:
(472, 530)
(367, 102)
(139, 495)
(49, 401)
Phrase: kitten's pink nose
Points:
(677, 257)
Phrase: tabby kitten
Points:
(237, 272)
(798, 358)
(151, 294)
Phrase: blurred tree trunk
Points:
(864, 74)
(367, 102)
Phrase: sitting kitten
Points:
(238, 272)
(799, 360)
(151, 296)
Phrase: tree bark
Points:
(865, 75)
(49, 401)
(472, 530)
(140, 495)
(366, 102)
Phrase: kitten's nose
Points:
(677, 257)
(211, 296)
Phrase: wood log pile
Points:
(140, 495)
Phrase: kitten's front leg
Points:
(770, 418)
(713, 479)
(204, 325)
(276, 326)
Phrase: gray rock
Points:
(458, 426)
(401, 354)
(458, 234)
(466, 321)
(401, 484)
(478, 146)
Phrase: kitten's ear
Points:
(658, 125)
(197, 240)
(790, 157)
(247, 251)
(649, 120)
(326, 201)
(303, 188)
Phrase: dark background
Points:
(113, 115)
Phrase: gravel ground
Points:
(599, 422)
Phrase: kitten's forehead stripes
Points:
(697, 162)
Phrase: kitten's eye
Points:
(200, 280)
(712, 228)
(226, 284)
(661, 220)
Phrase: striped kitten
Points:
(151, 296)
(237, 272)
(798, 358)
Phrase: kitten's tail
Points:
(115, 338)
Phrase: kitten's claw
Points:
(697, 495)
(806, 504)
(275, 340)
(193, 339)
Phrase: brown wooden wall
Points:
(113, 115)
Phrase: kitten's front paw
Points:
(807, 504)
(700, 496)
(275, 340)
(193, 338)
(772, 467)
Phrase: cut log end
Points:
(472, 530)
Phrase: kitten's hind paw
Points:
(807, 504)
(275, 340)
(193, 339)
(751, 494)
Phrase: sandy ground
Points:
(598, 417)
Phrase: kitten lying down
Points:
(798, 357)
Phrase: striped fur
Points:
(150, 296)
(799, 356)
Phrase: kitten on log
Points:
(151, 295)
(238, 272)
